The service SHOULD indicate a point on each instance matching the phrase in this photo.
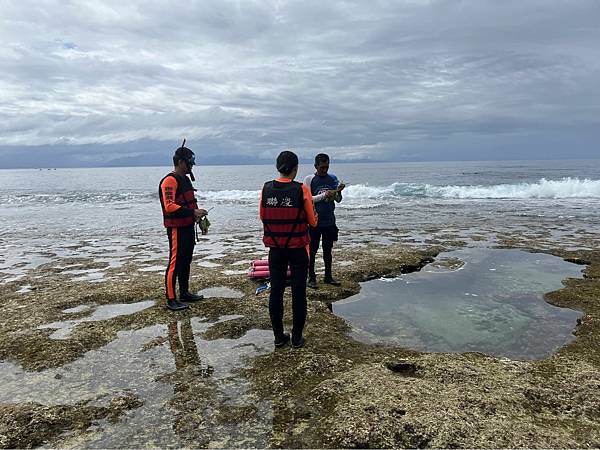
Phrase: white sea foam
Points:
(59, 198)
(552, 189)
(358, 196)
(360, 205)
(361, 196)
(230, 196)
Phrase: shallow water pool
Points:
(484, 300)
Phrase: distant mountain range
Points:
(126, 155)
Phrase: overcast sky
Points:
(109, 82)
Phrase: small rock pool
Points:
(484, 300)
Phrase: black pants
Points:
(181, 248)
(278, 264)
(329, 235)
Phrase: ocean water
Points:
(113, 214)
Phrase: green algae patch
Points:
(30, 425)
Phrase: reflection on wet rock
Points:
(221, 292)
(103, 312)
(170, 371)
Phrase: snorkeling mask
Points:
(186, 155)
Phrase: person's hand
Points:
(341, 187)
(199, 213)
(329, 194)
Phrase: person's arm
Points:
(168, 188)
(316, 198)
(260, 206)
(338, 195)
(309, 209)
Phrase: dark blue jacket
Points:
(325, 207)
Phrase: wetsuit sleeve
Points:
(307, 183)
(309, 209)
(319, 198)
(168, 188)
(260, 207)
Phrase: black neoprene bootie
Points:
(332, 282)
(299, 343)
(282, 341)
(189, 297)
(176, 305)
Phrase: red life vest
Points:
(184, 196)
(284, 219)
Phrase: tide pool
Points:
(483, 300)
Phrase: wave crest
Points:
(551, 189)
(359, 196)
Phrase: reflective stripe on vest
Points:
(284, 218)
(184, 196)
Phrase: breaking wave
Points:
(551, 189)
(229, 196)
(359, 196)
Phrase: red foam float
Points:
(260, 269)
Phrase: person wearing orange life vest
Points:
(180, 213)
(286, 210)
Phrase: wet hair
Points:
(183, 154)
(286, 162)
(321, 158)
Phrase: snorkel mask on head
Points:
(186, 155)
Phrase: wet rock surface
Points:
(377, 396)
(402, 367)
(29, 425)
(217, 382)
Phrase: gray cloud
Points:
(380, 80)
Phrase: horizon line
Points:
(309, 162)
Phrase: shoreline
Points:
(335, 392)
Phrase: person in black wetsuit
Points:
(286, 210)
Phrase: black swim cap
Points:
(184, 154)
(286, 162)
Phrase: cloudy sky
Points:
(121, 83)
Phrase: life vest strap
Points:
(284, 234)
(284, 221)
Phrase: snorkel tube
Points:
(190, 161)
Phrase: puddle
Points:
(77, 309)
(103, 312)
(92, 275)
(484, 300)
(234, 272)
(81, 271)
(152, 269)
(345, 263)
(215, 256)
(221, 292)
(208, 264)
(11, 279)
(24, 289)
(182, 380)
